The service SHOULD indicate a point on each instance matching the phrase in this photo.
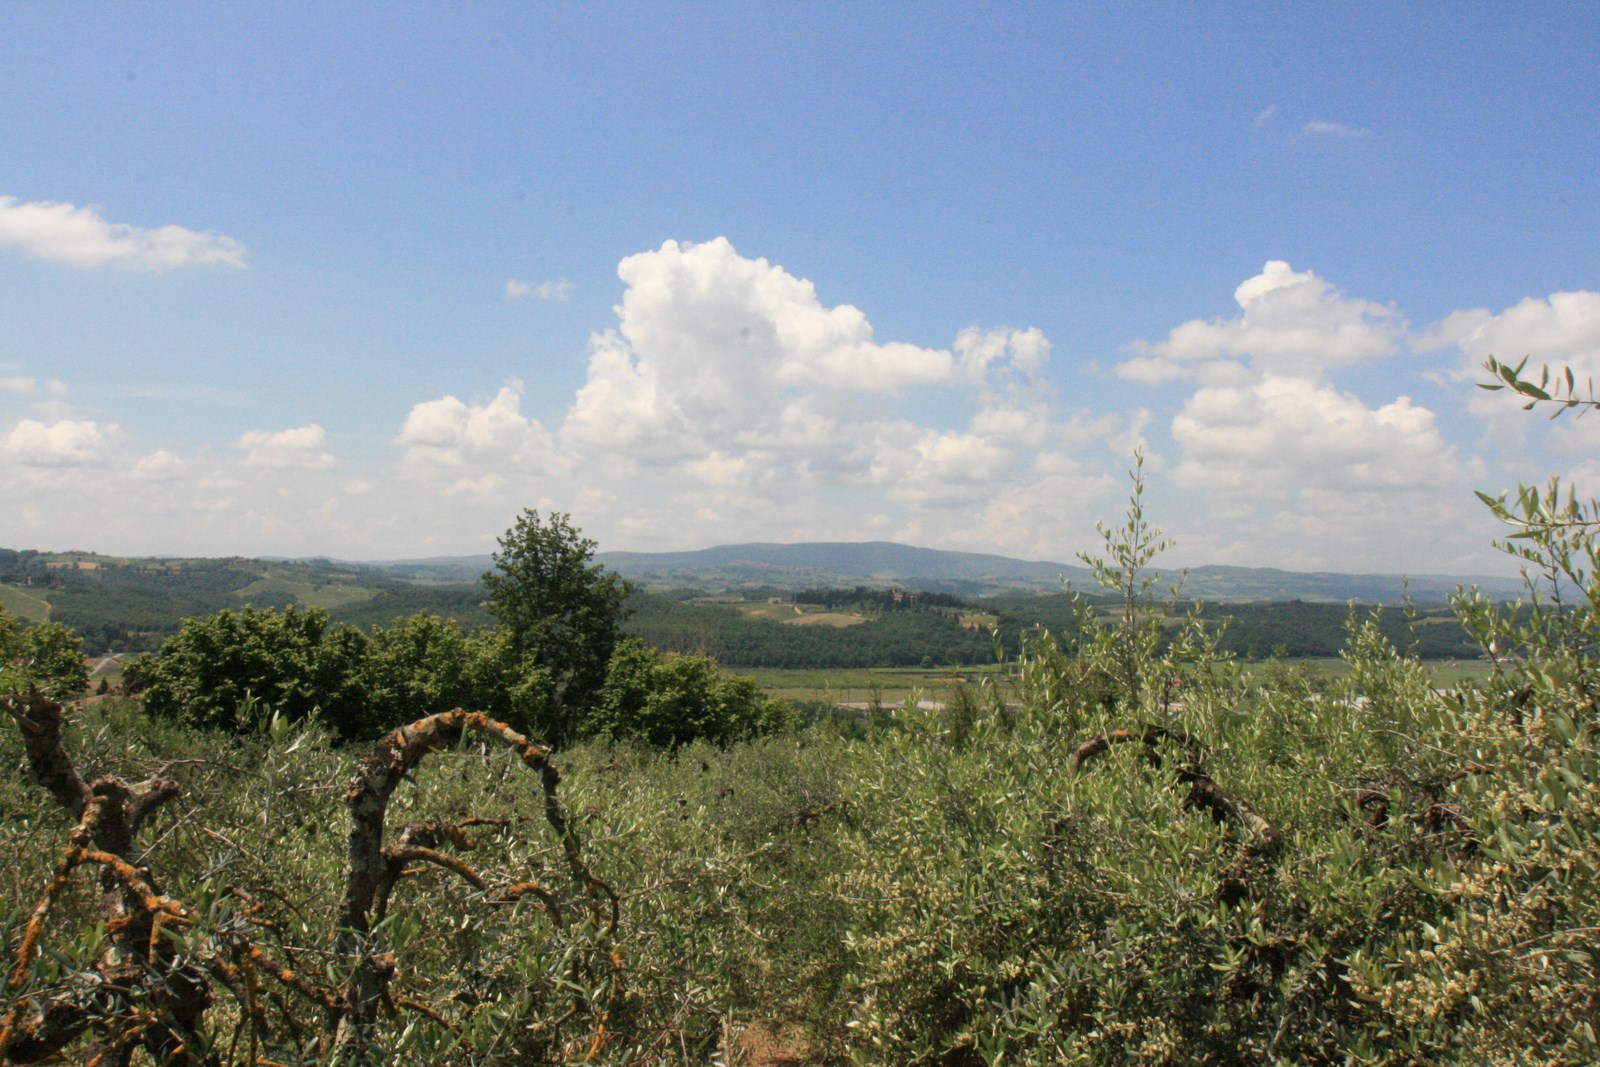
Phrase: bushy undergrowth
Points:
(964, 886)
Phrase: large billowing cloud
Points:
(1285, 435)
(731, 372)
(476, 450)
(450, 433)
(80, 237)
(713, 349)
(727, 395)
(727, 402)
(1562, 329)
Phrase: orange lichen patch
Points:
(513, 894)
(288, 977)
(53, 889)
(400, 855)
(161, 982)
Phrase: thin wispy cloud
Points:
(1267, 115)
(23, 386)
(1333, 129)
(556, 290)
(81, 237)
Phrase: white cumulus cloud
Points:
(1289, 321)
(716, 352)
(1563, 328)
(449, 432)
(299, 448)
(1280, 461)
(1284, 434)
(66, 443)
(727, 390)
(80, 237)
(160, 466)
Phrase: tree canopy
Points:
(561, 611)
(47, 655)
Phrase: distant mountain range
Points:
(789, 567)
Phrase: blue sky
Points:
(366, 280)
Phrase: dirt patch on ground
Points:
(764, 1046)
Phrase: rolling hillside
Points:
(131, 604)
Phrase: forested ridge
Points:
(931, 631)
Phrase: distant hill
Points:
(832, 563)
(731, 568)
(131, 604)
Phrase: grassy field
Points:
(835, 619)
(24, 605)
(795, 614)
(325, 595)
(894, 684)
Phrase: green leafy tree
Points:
(562, 612)
(420, 665)
(48, 655)
(292, 662)
(508, 688)
(668, 699)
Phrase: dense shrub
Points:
(47, 655)
(667, 699)
(231, 669)
(234, 663)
